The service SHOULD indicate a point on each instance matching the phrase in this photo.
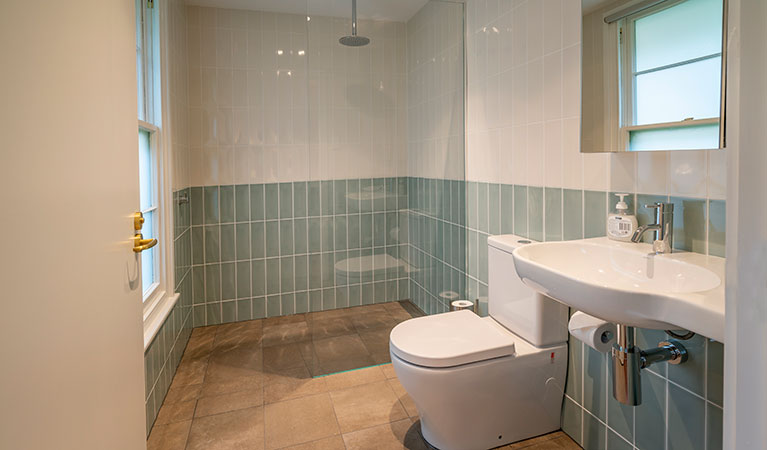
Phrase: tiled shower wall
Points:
(164, 352)
(266, 250)
(526, 175)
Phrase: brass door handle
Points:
(140, 244)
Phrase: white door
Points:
(71, 349)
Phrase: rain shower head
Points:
(353, 40)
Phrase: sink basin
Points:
(627, 283)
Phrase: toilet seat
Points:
(450, 339)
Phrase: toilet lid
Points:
(450, 339)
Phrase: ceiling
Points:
(394, 10)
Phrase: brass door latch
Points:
(139, 243)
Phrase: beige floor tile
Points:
(366, 406)
(373, 320)
(331, 443)
(169, 437)
(282, 320)
(288, 333)
(290, 388)
(273, 376)
(236, 384)
(239, 334)
(404, 398)
(298, 421)
(243, 429)
(177, 394)
(556, 440)
(353, 378)
(190, 372)
(335, 326)
(398, 435)
(233, 364)
(175, 412)
(208, 406)
(388, 371)
(281, 357)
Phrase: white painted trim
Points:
(157, 316)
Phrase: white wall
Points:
(524, 110)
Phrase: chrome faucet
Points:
(663, 228)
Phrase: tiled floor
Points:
(253, 385)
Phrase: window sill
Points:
(156, 317)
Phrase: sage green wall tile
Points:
(273, 305)
(228, 281)
(257, 206)
(483, 265)
(379, 229)
(353, 229)
(196, 198)
(257, 239)
(572, 214)
(574, 386)
(328, 298)
(272, 276)
(242, 241)
(299, 199)
(366, 190)
(272, 238)
(571, 420)
(212, 283)
(287, 276)
(595, 213)
(339, 197)
(258, 278)
(328, 233)
(391, 193)
(553, 214)
(315, 300)
(286, 237)
(227, 243)
(472, 204)
(210, 204)
(198, 284)
(198, 245)
(243, 279)
(326, 194)
(287, 304)
(244, 311)
(457, 202)
(520, 210)
(690, 222)
(692, 373)
(213, 314)
(483, 215)
(315, 271)
(271, 201)
(226, 199)
(593, 433)
(615, 442)
(716, 227)
(535, 213)
(212, 244)
(339, 225)
(301, 274)
(686, 420)
(286, 200)
(313, 201)
(328, 274)
(300, 244)
(379, 200)
(259, 307)
(651, 414)
(198, 316)
(302, 302)
(714, 426)
(507, 209)
(620, 417)
(472, 265)
(355, 295)
(646, 338)
(242, 203)
(315, 235)
(379, 291)
(228, 312)
(342, 297)
(715, 369)
(494, 208)
(594, 382)
(353, 196)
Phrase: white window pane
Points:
(145, 170)
(671, 95)
(148, 256)
(689, 30)
(679, 138)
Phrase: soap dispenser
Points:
(621, 225)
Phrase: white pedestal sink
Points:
(628, 284)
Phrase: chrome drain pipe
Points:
(628, 360)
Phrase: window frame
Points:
(627, 72)
(158, 300)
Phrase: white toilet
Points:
(479, 383)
